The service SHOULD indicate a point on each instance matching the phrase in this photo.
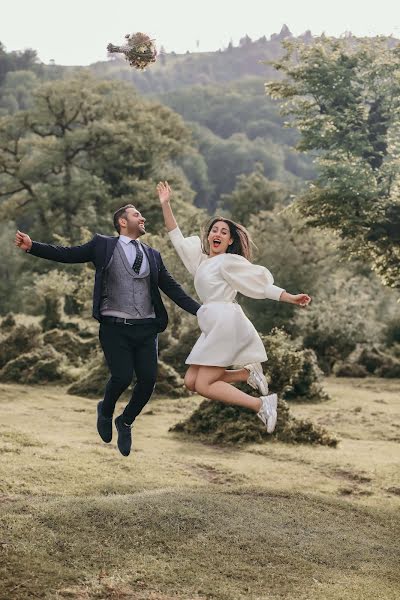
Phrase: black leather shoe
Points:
(104, 424)
(124, 435)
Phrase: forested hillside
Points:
(76, 143)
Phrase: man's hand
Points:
(164, 192)
(23, 241)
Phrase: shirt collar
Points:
(126, 240)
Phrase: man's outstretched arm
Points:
(63, 254)
(173, 290)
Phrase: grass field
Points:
(181, 520)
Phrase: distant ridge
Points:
(175, 71)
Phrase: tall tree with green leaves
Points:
(344, 98)
(252, 194)
(16, 92)
(84, 149)
(17, 60)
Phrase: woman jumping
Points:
(221, 267)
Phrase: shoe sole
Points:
(270, 422)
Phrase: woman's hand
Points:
(299, 299)
(164, 192)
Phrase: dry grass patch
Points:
(178, 519)
(246, 543)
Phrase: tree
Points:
(83, 150)
(226, 159)
(17, 90)
(245, 41)
(300, 259)
(344, 98)
(16, 60)
(13, 274)
(253, 193)
(348, 310)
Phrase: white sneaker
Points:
(257, 379)
(268, 411)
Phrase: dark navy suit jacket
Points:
(99, 251)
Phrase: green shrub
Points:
(19, 340)
(169, 383)
(94, 377)
(284, 360)
(306, 384)
(343, 315)
(218, 423)
(176, 350)
(292, 371)
(42, 365)
(391, 371)
(374, 359)
(8, 322)
(392, 332)
(348, 369)
(70, 344)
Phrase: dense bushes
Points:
(218, 423)
(294, 374)
(41, 365)
(72, 345)
(292, 371)
(379, 362)
(16, 340)
(94, 376)
(370, 360)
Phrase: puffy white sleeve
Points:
(188, 249)
(250, 280)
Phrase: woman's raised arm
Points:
(164, 194)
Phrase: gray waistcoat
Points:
(124, 291)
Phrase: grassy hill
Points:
(180, 520)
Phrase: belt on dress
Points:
(221, 302)
(123, 321)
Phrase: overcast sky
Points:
(76, 32)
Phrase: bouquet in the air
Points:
(139, 50)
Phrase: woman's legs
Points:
(190, 377)
(210, 383)
(229, 376)
(235, 375)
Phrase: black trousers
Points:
(129, 349)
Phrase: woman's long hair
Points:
(242, 241)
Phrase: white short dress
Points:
(227, 336)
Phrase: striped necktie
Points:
(139, 257)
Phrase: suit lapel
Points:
(110, 247)
(152, 262)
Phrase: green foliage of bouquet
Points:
(139, 50)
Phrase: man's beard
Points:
(138, 231)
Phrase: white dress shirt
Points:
(130, 251)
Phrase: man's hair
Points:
(121, 214)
